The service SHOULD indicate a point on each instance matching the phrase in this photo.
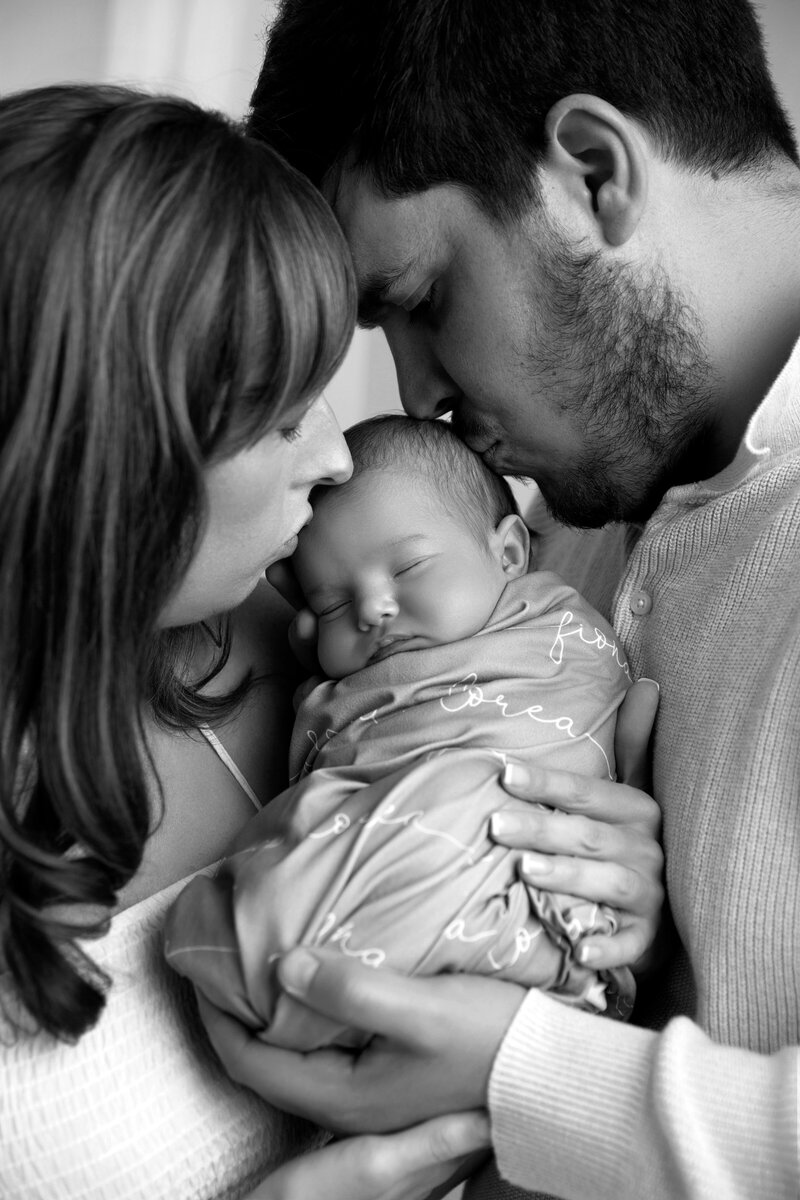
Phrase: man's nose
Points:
(374, 609)
(426, 390)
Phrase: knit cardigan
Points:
(703, 1104)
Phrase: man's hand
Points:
(434, 1045)
(398, 1166)
(601, 839)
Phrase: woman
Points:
(173, 298)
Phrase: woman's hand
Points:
(434, 1045)
(303, 628)
(601, 839)
(398, 1166)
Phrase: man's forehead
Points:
(371, 220)
(392, 239)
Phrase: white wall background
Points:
(210, 50)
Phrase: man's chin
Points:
(578, 510)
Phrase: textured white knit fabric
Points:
(139, 1109)
(709, 605)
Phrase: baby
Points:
(444, 658)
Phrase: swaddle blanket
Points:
(381, 846)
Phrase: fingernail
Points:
(305, 624)
(647, 679)
(588, 955)
(514, 775)
(536, 864)
(479, 1131)
(297, 970)
(502, 824)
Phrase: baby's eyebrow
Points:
(407, 539)
(322, 591)
(376, 286)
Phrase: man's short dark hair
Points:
(425, 92)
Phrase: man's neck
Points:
(738, 251)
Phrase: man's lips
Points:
(489, 448)
(491, 454)
(478, 443)
(485, 445)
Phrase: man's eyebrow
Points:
(372, 293)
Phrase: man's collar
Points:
(772, 431)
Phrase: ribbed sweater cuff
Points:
(566, 1129)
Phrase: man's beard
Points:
(642, 388)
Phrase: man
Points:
(579, 227)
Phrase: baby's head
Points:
(413, 551)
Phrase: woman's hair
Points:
(170, 290)
(470, 492)
(426, 92)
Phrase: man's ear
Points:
(600, 157)
(512, 545)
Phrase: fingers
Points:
(376, 1002)
(434, 1043)
(624, 949)
(425, 1154)
(400, 1166)
(635, 721)
(551, 832)
(281, 576)
(298, 1083)
(599, 799)
(624, 888)
(303, 629)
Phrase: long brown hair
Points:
(151, 256)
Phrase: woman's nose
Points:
(374, 610)
(332, 461)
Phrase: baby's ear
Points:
(513, 545)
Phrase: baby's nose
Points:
(374, 610)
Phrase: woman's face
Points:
(257, 501)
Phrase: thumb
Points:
(281, 576)
(453, 1136)
(303, 639)
(635, 722)
(396, 1166)
(375, 1002)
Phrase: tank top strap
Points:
(223, 755)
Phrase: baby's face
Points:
(387, 569)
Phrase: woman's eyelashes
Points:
(292, 433)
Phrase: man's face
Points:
(556, 364)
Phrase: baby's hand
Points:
(303, 629)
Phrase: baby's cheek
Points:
(336, 651)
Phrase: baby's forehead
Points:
(378, 485)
